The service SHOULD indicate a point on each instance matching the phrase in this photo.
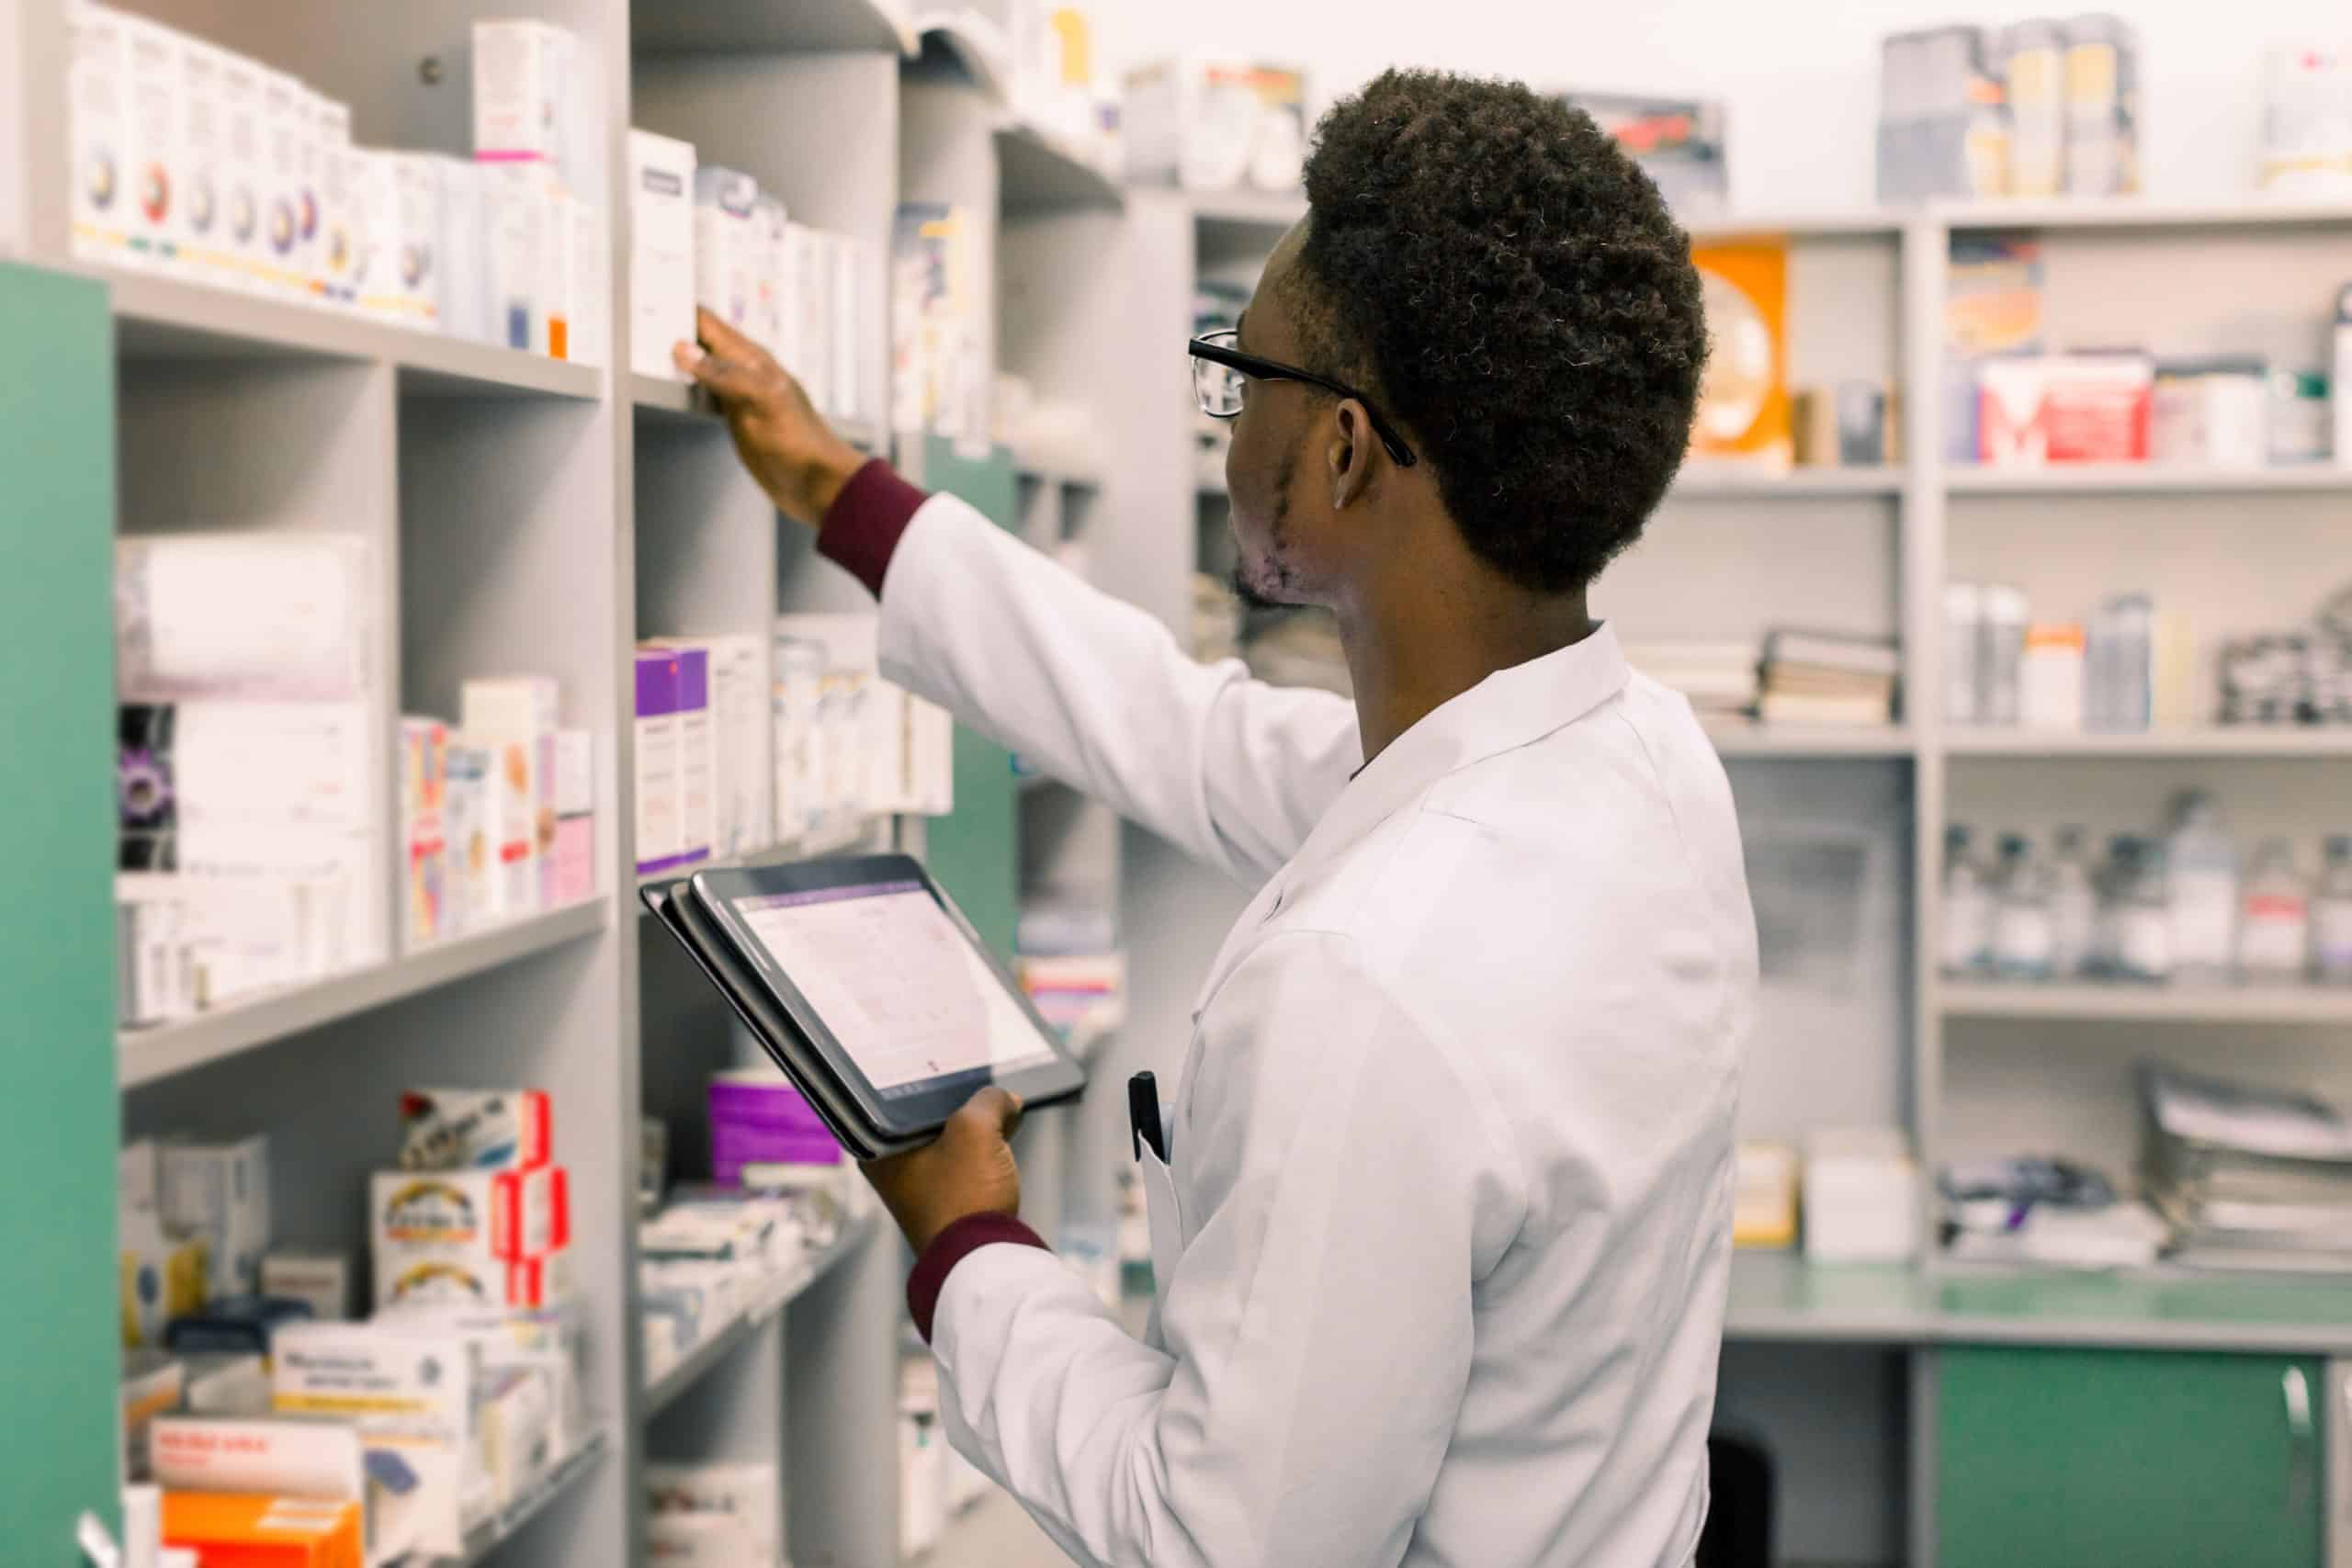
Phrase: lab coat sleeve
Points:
(1096, 693)
(1354, 1185)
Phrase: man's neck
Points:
(1409, 657)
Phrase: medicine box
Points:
(747, 1496)
(151, 51)
(797, 687)
(768, 278)
(425, 1278)
(463, 296)
(697, 756)
(511, 711)
(469, 856)
(554, 337)
(1941, 128)
(2051, 676)
(2102, 89)
(2063, 408)
(472, 1216)
(472, 1129)
(509, 828)
(524, 95)
(514, 204)
(1862, 1197)
(104, 155)
(1216, 125)
(575, 773)
(727, 244)
(311, 163)
(220, 1192)
(243, 170)
(225, 1382)
(412, 1397)
(843, 380)
(153, 1383)
(736, 693)
(662, 250)
(321, 1280)
(242, 1531)
(424, 772)
(341, 242)
(809, 270)
(284, 116)
(164, 1277)
(591, 292)
(269, 1454)
(244, 614)
(520, 1441)
(293, 764)
(417, 219)
(202, 137)
(376, 207)
(659, 809)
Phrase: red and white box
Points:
(476, 1129)
(2074, 408)
(475, 1216)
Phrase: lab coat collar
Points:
(1508, 709)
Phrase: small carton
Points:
(519, 715)
(411, 1396)
(104, 154)
(151, 51)
(203, 130)
(164, 1277)
(514, 207)
(152, 1384)
(727, 244)
(321, 1280)
(659, 810)
(662, 250)
(474, 1216)
(221, 1193)
(424, 770)
(284, 127)
(454, 1129)
(341, 242)
(469, 858)
(244, 171)
(254, 1531)
(271, 1454)
(524, 95)
(421, 1277)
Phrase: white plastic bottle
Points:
(2274, 919)
(2331, 917)
(2074, 908)
(1967, 907)
(2203, 867)
(2143, 922)
(2023, 937)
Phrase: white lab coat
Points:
(1451, 1146)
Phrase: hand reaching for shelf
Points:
(782, 439)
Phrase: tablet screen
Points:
(896, 982)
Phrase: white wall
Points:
(1799, 77)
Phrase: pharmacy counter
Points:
(1778, 1296)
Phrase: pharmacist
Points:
(1445, 1248)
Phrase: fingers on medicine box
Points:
(446, 1129)
(482, 1215)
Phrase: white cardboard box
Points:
(243, 179)
(267, 1455)
(520, 710)
(342, 240)
(479, 1219)
(284, 127)
(152, 51)
(322, 1280)
(662, 250)
(464, 296)
(219, 1193)
(728, 233)
(515, 201)
(524, 95)
(104, 156)
(203, 129)
(738, 688)
(768, 276)
(591, 277)
(410, 1394)
(749, 1496)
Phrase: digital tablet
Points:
(674, 904)
(889, 996)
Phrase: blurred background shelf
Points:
(2175, 1003)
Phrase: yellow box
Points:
(1744, 401)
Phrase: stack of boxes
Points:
(195, 161)
(405, 1430)
(2042, 109)
(714, 1515)
(848, 742)
(708, 235)
(497, 813)
(252, 850)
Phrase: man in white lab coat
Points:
(1442, 1241)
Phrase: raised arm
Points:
(1092, 689)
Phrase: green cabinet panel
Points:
(61, 1336)
(2067, 1459)
(974, 850)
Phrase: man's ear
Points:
(1353, 451)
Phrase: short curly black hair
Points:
(1509, 286)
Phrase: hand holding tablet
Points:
(869, 988)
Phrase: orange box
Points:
(229, 1530)
(1744, 401)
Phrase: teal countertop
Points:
(1780, 1297)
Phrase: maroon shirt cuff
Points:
(861, 527)
(951, 1246)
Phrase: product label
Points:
(2275, 935)
(431, 1211)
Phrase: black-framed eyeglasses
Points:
(1222, 374)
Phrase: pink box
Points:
(2077, 407)
(575, 861)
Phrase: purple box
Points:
(661, 763)
(758, 1118)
